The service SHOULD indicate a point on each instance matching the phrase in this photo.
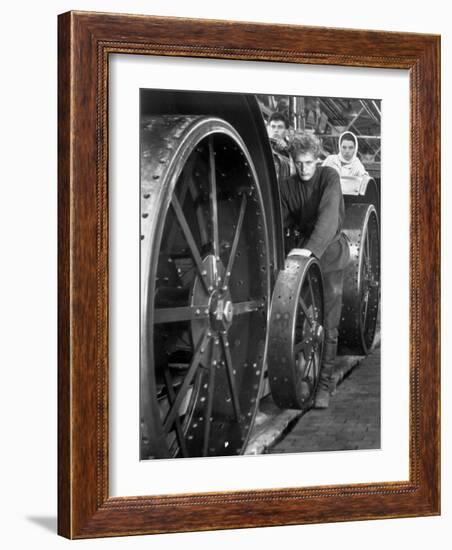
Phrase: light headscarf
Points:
(350, 137)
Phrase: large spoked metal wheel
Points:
(205, 279)
(361, 293)
(295, 338)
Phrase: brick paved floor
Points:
(352, 420)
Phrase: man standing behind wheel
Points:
(313, 205)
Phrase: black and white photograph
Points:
(260, 274)
(225, 228)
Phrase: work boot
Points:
(322, 397)
(326, 382)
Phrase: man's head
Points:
(347, 146)
(304, 150)
(277, 126)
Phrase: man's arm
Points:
(327, 222)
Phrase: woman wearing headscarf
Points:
(346, 162)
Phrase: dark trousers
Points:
(332, 289)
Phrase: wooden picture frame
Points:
(86, 40)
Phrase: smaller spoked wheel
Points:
(295, 340)
(361, 295)
(368, 192)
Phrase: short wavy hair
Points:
(304, 143)
(278, 116)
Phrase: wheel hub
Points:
(212, 297)
(221, 310)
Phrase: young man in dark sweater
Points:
(313, 205)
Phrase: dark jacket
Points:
(316, 209)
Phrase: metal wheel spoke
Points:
(241, 308)
(305, 310)
(213, 199)
(311, 290)
(301, 346)
(310, 363)
(315, 360)
(208, 412)
(174, 410)
(366, 246)
(373, 259)
(179, 314)
(173, 229)
(188, 237)
(235, 240)
(368, 313)
(230, 373)
(171, 397)
(366, 304)
(199, 214)
(309, 382)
